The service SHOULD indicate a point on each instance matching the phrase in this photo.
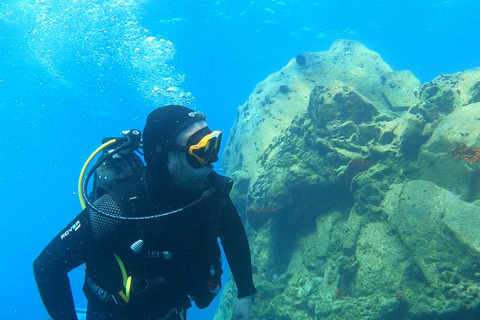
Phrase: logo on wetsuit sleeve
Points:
(74, 227)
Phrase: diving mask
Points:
(206, 150)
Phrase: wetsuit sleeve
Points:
(66, 251)
(235, 244)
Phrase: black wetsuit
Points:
(179, 258)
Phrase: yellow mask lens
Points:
(207, 149)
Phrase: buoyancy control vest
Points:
(119, 172)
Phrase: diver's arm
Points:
(66, 251)
(237, 250)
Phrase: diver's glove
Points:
(241, 311)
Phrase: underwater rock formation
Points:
(358, 186)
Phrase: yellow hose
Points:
(85, 166)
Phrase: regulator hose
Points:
(219, 185)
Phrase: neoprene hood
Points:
(163, 125)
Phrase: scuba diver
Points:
(148, 233)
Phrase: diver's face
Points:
(184, 175)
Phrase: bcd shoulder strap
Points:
(122, 177)
(130, 195)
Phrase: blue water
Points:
(69, 78)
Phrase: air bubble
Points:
(101, 43)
